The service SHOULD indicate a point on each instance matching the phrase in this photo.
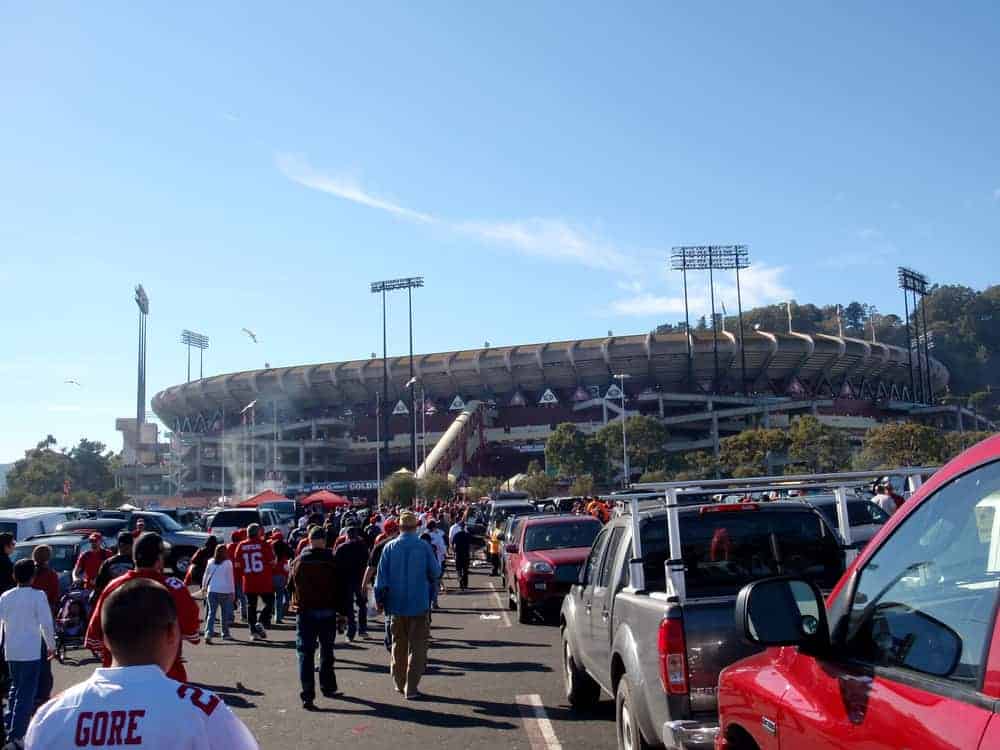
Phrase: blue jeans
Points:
(45, 681)
(217, 602)
(357, 622)
(312, 626)
(21, 698)
(280, 596)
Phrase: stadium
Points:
(489, 411)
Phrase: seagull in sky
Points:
(251, 334)
(71, 381)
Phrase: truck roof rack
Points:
(674, 495)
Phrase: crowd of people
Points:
(332, 573)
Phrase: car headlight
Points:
(539, 567)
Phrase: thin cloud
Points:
(297, 170)
(760, 285)
(547, 238)
(996, 194)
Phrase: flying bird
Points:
(251, 334)
(71, 381)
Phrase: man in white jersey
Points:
(133, 702)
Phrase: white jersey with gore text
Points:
(137, 707)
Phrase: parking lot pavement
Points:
(490, 683)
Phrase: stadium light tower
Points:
(409, 284)
(713, 258)
(915, 283)
(142, 302)
(200, 342)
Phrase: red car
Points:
(544, 561)
(905, 653)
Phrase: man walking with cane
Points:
(407, 577)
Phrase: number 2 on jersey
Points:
(252, 562)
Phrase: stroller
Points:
(71, 621)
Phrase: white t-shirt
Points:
(218, 579)
(885, 502)
(137, 707)
(26, 619)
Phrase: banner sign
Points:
(457, 404)
(548, 397)
(400, 408)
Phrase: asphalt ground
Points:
(490, 682)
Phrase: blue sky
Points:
(259, 166)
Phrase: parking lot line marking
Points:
(502, 604)
(537, 726)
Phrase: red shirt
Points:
(47, 580)
(280, 561)
(254, 561)
(303, 543)
(90, 562)
(187, 618)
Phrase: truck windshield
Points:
(722, 552)
(560, 535)
(859, 513)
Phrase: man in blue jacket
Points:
(407, 576)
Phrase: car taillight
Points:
(727, 508)
(673, 657)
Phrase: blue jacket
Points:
(407, 573)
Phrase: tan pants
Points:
(409, 650)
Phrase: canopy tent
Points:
(266, 496)
(328, 499)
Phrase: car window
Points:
(561, 535)
(930, 591)
(609, 559)
(63, 556)
(595, 556)
(236, 518)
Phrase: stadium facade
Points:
(490, 410)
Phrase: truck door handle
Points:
(605, 614)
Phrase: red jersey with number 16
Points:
(255, 561)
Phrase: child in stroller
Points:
(71, 621)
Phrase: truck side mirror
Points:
(782, 612)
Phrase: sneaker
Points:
(226, 637)
(255, 636)
(208, 640)
(308, 705)
(260, 631)
(330, 693)
(412, 695)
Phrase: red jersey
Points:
(303, 543)
(47, 580)
(187, 618)
(254, 561)
(89, 563)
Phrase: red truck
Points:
(904, 653)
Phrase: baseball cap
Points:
(408, 520)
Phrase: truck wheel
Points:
(581, 690)
(626, 723)
(511, 601)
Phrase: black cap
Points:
(124, 537)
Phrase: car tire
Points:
(523, 611)
(626, 722)
(581, 690)
(511, 601)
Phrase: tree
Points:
(91, 466)
(655, 476)
(436, 487)
(896, 444)
(816, 448)
(646, 438)
(400, 489)
(583, 485)
(42, 471)
(746, 454)
(483, 486)
(536, 482)
(956, 442)
(698, 465)
(566, 450)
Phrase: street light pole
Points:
(623, 376)
(378, 452)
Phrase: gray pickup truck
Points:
(654, 632)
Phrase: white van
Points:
(228, 520)
(25, 522)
